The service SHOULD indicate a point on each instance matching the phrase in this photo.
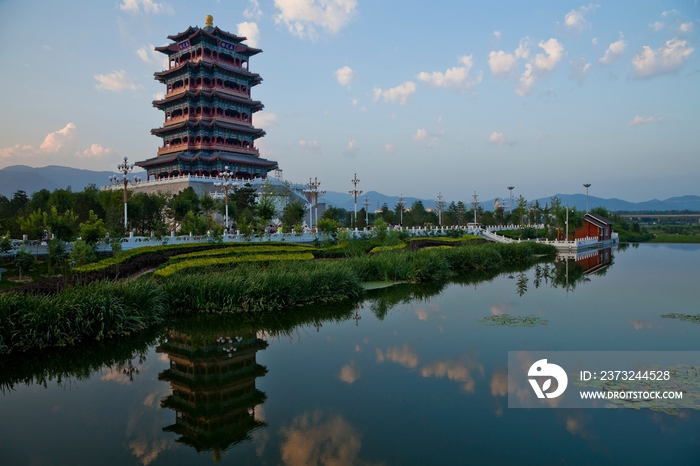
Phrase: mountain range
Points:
(21, 177)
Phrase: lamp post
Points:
(510, 204)
(225, 185)
(312, 194)
(440, 204)
(401, 203)
(475, 204)
(587, 185)
(366, 204)
(125, 168)
(355, 193)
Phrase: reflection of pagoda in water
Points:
(213, 389)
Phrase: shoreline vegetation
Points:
(246, 280)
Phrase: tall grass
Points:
(93, 312)
(261, 289)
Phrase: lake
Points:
(408, 375)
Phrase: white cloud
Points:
(500, 139)
(639, 120)
(95, 150)
(523, 50)
(526, 81)
(303, 16)
(309, 145)
(686, 27)
(439, 120)
(253, 11)
(401, 92)
(420, 135)
(152, 57)
(667, 59)
(354, 102)
(48, 48)
(497, 35)
(554, 53)
(250, 31)
(18, 151)
(579, 69)
(57, 143)
(58, 139)
(614, 51)
(352, 148)
(666, 13)
(575, 19)
(145, 6)
(345, 75)
(363, 109)
(159, 96)
(457, 77)
(115, 81)
(389, 148)
(656, 26)
(502, 64)
(263, 119)
(594, 41)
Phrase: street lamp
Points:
(125, 168)
(312, 194)
(366, 204)
(400, 204)
(510, 205)
(355, 193)
(225, 185)
(475, 203)
(440, 204)
(587, 185)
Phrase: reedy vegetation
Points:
(106, 309)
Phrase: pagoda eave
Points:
(210, 64)
(209, 156)
(215, 122)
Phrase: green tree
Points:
(56, 252)
(5, 244)
(64, 227)
(328, 226)
(266, 208)
(82, 253)
(183, 202)
(93, 230)
(23, 261)
(292, 214)
(243, 198)
(521, 208)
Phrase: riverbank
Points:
(110, 309)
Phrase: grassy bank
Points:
(106, 309)
(670, 238)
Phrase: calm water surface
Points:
(408, 376)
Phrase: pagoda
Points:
(208, 109)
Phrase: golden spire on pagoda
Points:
(209, 21)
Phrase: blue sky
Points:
(415, 97)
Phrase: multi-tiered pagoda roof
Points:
(208, 107)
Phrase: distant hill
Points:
(21, 177)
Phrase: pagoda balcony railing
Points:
(181, 89)
(204, 146)
(189, 117)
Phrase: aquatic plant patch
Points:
(505, 320)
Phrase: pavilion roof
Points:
(209, 156)
(213, 33)
(256, 104)
(214, 122)
(205, 62)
